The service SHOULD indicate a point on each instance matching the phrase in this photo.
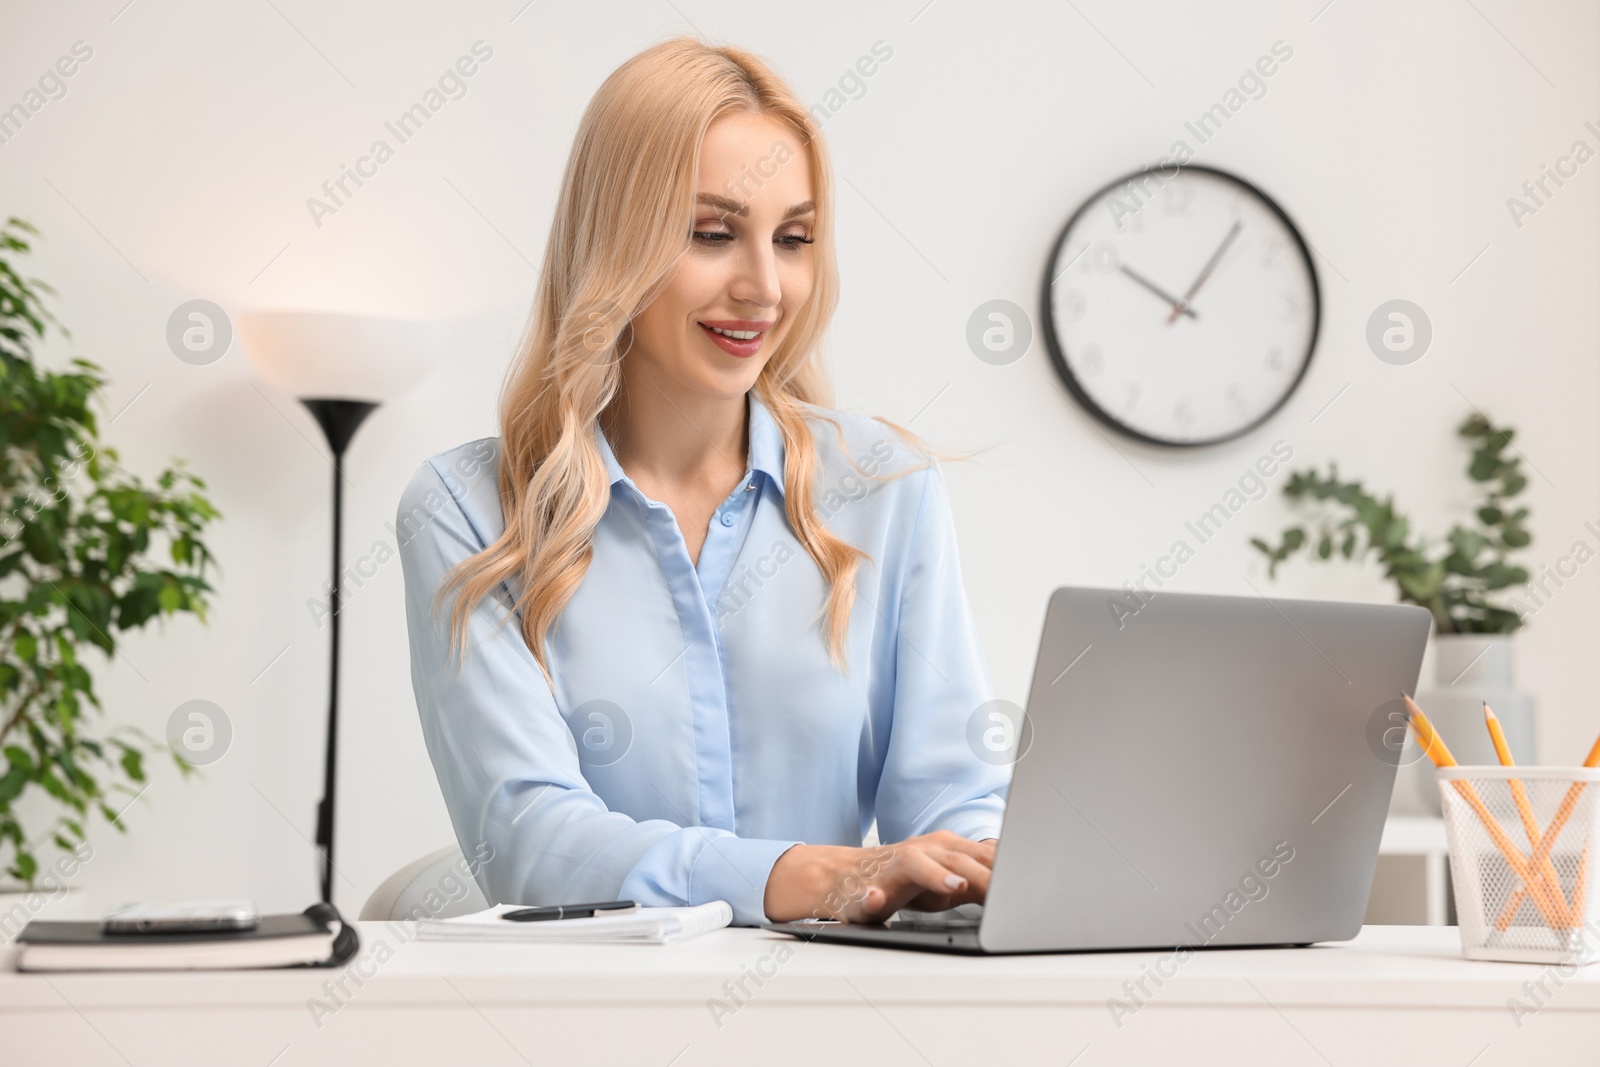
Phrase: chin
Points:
(733, 386)
(719, 379)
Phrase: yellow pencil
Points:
(1503, 751)
(1581, 888)
(1530, 825)
(1569, 804)
(1554, 912)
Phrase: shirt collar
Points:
(766, 446)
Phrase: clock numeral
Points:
(1176, 198)
(1070, 256)
(1291, 306)
(1133, 397)
(1236, 400)
(1071, 305)
(1183, 414)
(1092, 361)
(1131, 223)
(1270, 250)
(1102, 258)
(1275, 358)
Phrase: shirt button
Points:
(727, 518)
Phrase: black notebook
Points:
(317, 937)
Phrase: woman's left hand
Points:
(930, 872)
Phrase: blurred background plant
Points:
(1455, 581)
(79, 564)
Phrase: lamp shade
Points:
(333, 356)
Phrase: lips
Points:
(734, 346)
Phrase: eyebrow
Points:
(737, 207)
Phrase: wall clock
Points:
(1181, 306)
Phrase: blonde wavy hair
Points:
(623, 218)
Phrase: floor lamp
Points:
(341, 367)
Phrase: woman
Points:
(741, 631)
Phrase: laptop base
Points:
(961, 938)
(955, 940)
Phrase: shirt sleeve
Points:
(507, 762)
(937, 773)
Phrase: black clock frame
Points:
(1058, 357)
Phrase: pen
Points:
(571, 911)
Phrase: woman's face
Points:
(747, 271)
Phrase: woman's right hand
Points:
(933, 872)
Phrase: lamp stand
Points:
(339, 420)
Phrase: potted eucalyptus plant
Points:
(87, 552)
(1461, 581)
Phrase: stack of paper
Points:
(648, 926)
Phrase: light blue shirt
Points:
(697, 728)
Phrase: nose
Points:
(756, 281)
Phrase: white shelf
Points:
(1422, 838)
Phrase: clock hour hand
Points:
(1178, 306)
(1205, 272)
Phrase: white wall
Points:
(179, 163)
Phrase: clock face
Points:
(1181, 310)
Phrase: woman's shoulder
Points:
(465, 477)
(872, 442)
(861, 456)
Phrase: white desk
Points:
(1395, 995)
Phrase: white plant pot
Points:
(1467, 671)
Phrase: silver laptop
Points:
(1192, 770)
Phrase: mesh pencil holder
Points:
(1528, 898)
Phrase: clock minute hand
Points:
(1177, 306)
(1205, 272)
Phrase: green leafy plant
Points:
(1455, 581)
(77, 545)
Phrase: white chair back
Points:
(437, 886)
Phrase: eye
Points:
(712, 237)
(793, 241)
